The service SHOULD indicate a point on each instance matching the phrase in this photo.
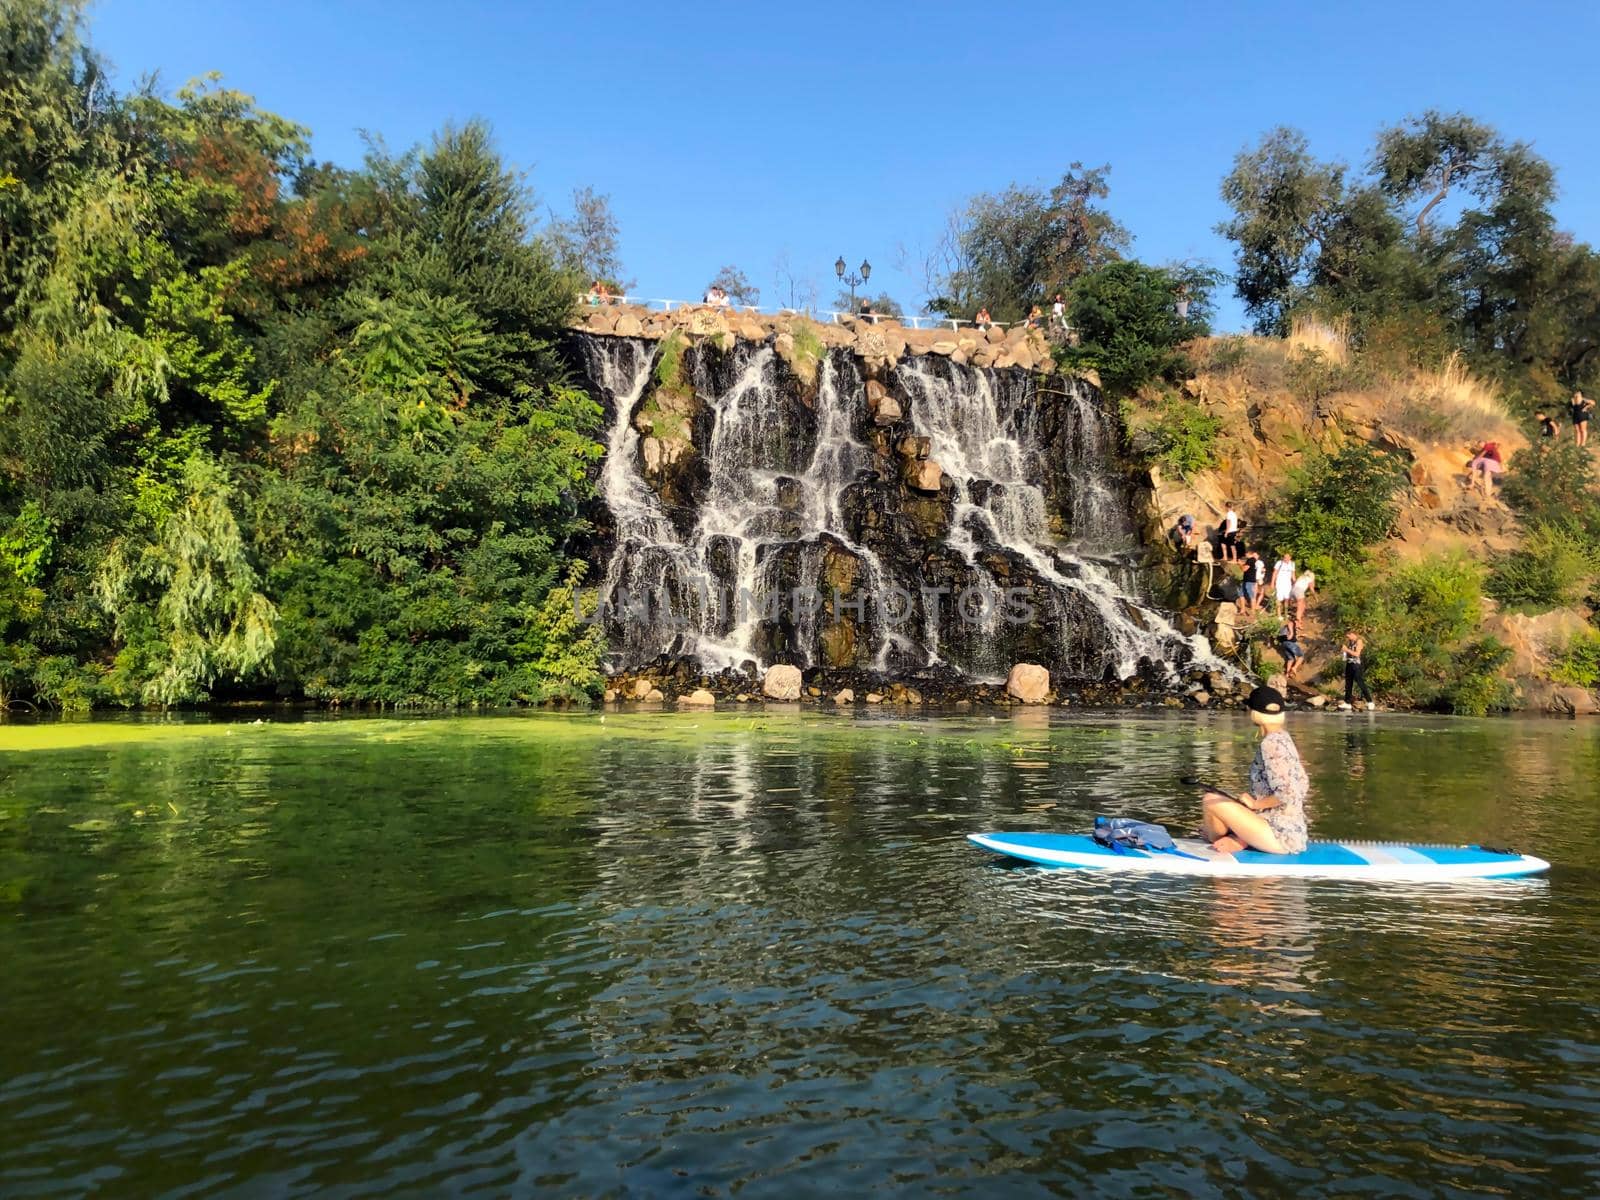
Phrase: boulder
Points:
(750, 330)
(1202, 697)
(914, 447)
(609, 696)
(1318, 702)
(1029, 683)
(654, 696)
(943, 346)
(887, 412)
(1573, 702)
(641, 689)
(629, 325)
(923, 475)
(699, 698)
(844, 696)
(782, 682)
(602, 321)
(874, 698)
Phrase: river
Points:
(751, 953)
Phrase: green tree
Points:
(1128, 322)
(1016, 248)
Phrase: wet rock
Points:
(923, 475)
(1318, 702)
(1028, 682)
(1573, 702)
(699, 698)
(782, 682)
(874, 698)
(641, 689)
(844, 696)
(1202, 697)
(609, 696)
(654, 696)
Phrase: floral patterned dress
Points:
(1276, 771)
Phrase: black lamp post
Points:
(853, 279)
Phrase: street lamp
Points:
(853, 279)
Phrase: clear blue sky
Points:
(731, 133)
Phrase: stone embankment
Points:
(879, 344)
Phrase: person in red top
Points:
(1484, 466)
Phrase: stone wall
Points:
(879, 345)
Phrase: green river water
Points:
(752, 954)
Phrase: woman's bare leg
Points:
(1224, 817)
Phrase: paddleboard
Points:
(1376, 861)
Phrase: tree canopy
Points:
(270, 426)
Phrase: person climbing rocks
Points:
(1256, 567)
(1283, 574)
(1354, 673)
(1294, 654)
(1250, 594)
(1185, 531)
(1485, 465)
(1304, 586)
(1582, 406)
(1271, 816)
(1229, 543)
(1547, 426)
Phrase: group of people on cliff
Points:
(1289, 585)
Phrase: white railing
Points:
(914, 322)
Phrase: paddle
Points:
(1196, 781)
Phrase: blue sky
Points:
(734, 133)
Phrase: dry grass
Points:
(1330, 339)
(1447, 403)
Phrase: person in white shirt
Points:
(1282, 582)
(1303, 587)
(1230, 535)
(1058, 313)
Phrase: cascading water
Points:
(791, 536)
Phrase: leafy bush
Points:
(1183, 437)
(1337, 505)
(1554, 485)
(1128, 324)
(1556, 566)
(1578, 663)
(1420, 622)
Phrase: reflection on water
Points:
(667, 955)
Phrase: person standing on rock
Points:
(1303, 587)
(1230, 535)
(1058, 313)
(1282, 583)
(1354, 673)
(1250, 596)
(1294, 654)
(1582, 406)
(1271, 816)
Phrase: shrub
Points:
(1184, 437)
(1421, 623)
(1553, 485)
(1554, 567)
(1578, 663)
(1339, 504)
(1127, 322)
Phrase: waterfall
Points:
(779, 529)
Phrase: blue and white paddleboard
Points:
(1327, 860)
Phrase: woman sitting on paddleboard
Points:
(1271, 816)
